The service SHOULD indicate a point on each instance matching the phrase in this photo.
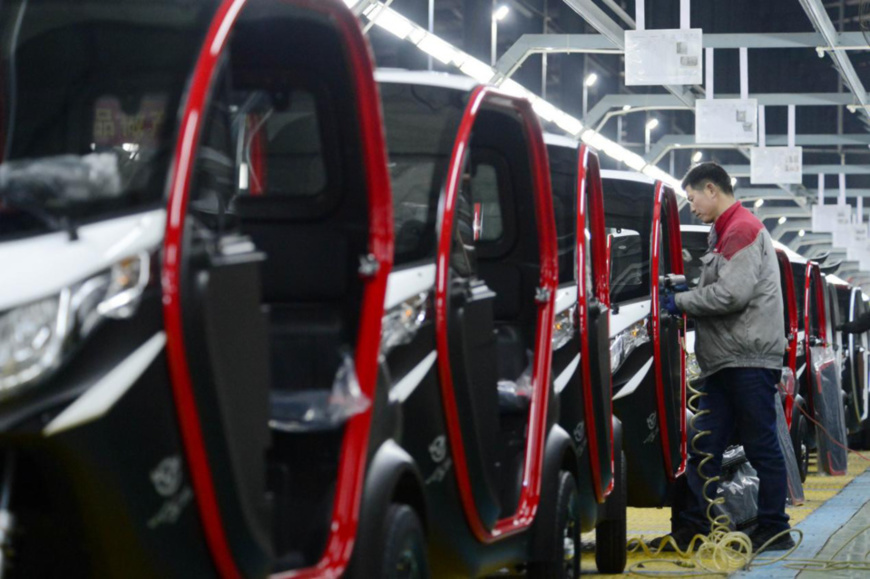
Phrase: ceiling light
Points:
(801, 233)
(626, 107)
(477, 70)
(569, 124)
(591, 79)
(759, 202)
(651, 124)
(782, 219)
(501, 12)
(733, 181)
(436, 47)
(697, 156)
(391, 21)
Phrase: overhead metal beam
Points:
(529, 44)
(769, 193)
(765, 212)
(600, 21)
(743, 170)
(790, 226)
(818, 15)
(611, 101)
(669, 142)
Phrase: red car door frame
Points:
(590, 211)
(665, 197)
(531, 489)
(352, 462)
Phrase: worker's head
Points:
(708, 187)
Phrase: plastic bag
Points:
(738, 487)
(826, 395)
(787, 382)
(316, 410)
(795, 494)
(67, 177)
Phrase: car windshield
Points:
(694, 248)
(90, 96)
(628, 207)
(421, 123)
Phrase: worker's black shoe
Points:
(763, 533)
(681, 537)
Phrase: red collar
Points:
(721, 223)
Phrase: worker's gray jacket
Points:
(737, 306)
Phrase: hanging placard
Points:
(776, 165)
(726, 121)
(850, 235)
(663, 57)
(830, 218)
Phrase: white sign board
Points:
(657, 57)
(776, 165)
(850, 235)
(859, 254)
(726, 121)
(830, 218)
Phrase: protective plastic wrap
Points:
(516, 395)
(793, 475)
(316, 410)
(64, 177)
(739, 488)
(827, 400)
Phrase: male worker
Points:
(739, 345)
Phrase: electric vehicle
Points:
(581, 354)
(855, 349)
(647, 358)
(190, 383)
(820, 383)
(476, 273)
(795, 405)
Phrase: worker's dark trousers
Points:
(741, 400)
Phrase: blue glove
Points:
(668, 302)
(681, 288)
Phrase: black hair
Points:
(701, 173)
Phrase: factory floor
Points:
(836, 508)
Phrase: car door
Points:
(668, 332)
(858, 353)
(593, 299)
(218, 341)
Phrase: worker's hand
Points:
(668, 302)
(681, 288)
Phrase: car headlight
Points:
(35, 337)
(563, 327)
(401, 323)
(693, 370)
(626, 342)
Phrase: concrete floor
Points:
(835, 509)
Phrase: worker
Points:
(739, 345)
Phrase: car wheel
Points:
(565, 563)
(405, 553)
(610, 534)
(799, 441)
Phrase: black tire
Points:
(611, 533)
(799, 442)
(405, 553)
(564, 564)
